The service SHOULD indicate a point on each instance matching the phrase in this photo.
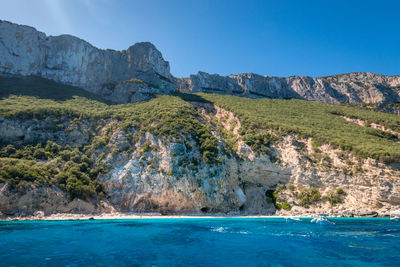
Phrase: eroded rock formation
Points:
(155, 174)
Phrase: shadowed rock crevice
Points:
(42, 88)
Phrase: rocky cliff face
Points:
(158, 174)
(352, 88)
(70, 60)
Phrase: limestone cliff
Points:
(70, 60)
(158, 174)
(352, 88)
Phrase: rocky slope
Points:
(153, 172)
(140, 71)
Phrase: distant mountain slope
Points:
(351, 88)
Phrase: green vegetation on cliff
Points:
(76, 169)
(308, 196)
(323, 122)
(51, 165)
(166, 116)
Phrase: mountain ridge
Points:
(139, 72)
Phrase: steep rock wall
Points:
(70, 60)
(352, 88)
(156, 174)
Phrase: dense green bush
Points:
(145, 148)
(257, 141)
(285, 206)
(19, 172)
(51, 165)
(273, 195)
(340, 191)
(308, 196)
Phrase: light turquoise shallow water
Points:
(200, 242)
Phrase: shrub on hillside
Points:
(308, 196)
(334, 196)
(66, 167)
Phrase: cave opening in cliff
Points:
(205, 209)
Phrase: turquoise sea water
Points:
(200, 242)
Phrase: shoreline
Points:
(131, 216)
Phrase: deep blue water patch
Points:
(200, 242)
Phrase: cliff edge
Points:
(139, 72)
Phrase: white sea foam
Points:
(244, 232)
(219, 229)
(229, 231)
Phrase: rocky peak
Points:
(70, 60)
(146, 57)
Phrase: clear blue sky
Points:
(277, 37)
